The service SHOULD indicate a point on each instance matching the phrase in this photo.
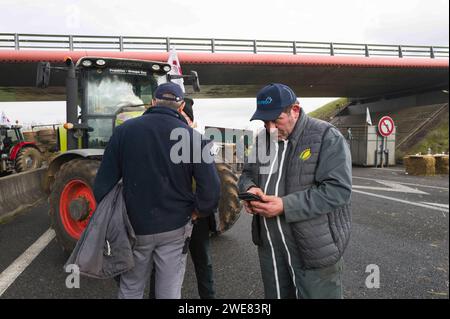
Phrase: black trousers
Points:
(199, 248)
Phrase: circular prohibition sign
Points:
(386, 126)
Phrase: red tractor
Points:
(15, 153)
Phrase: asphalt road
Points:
(400, 224)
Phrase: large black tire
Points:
(74, 178)
(229, 204)
(28, 159)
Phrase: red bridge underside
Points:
(242, 74)
(29, 56)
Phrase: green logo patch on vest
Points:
(305, 154)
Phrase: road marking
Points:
(8, 276)
(388, 169)
(403, 201)
(392, 187)
(437, 205)
(410, 184)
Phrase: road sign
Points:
(386, 126)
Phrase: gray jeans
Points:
(165, 250)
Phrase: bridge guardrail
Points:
(21, 41)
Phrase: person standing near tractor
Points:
(199, 245)
(158, 192)
(302, 223)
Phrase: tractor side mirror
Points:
(193, 76)
(43, 75)
(195, 81)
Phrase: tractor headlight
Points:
(156, 67)
(100, 62)
(87, 63)
(166, 68)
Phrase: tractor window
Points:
(107, 92)
(102, 132)
(2, 136)
(109, 89)
(12, 135)
(8, 138)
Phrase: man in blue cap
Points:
(302, 223)
(158, 191)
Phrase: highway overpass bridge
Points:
(238, 68)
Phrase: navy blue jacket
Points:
(158, 192)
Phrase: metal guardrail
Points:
(133, 43)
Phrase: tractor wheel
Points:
(72, 200)
(229, 203)
(28, 159)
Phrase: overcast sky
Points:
(417, 22)
(376, 21)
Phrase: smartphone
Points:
(249, 197)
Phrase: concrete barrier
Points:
(20, 191)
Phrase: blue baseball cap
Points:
(169, 91)
(271, 100)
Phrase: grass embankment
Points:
(436, 139)
(31, 94)
(7, 96)
(329, 110)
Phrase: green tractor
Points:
(100, 94)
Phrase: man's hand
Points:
(195, 215)
(248, 204)
(256, 190)
(270, 206)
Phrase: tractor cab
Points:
(9, 136)
(112, 89)
(99, 90)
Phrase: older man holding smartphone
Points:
(302, 223)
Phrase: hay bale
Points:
(441, 164)
(421, 165)
(406, 163)
(29, 136)
(47, 136)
